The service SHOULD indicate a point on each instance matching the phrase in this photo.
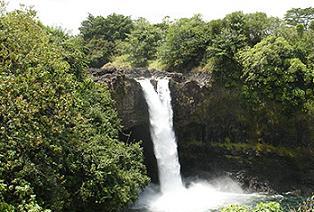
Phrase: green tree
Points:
(99, 52)
(58, 132)
(259, 26)
(311, 25)
(297, 16)
(111, 28)
(302, 42)
(230, 35)
(273, 73)
(225, 43)
(73, 50)
(101, 35)
(185, 44)
(142, 43)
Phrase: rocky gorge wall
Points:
(214, 132)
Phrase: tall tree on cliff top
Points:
(142, 43)
(111, 28)
(297, 16)
(185, 44)
(101, 35)
(231, 34)
(272, 72)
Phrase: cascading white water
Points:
(199, 196)
(161, 127)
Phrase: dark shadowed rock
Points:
(188, 91)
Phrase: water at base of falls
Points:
(172, 195)
(200, 196)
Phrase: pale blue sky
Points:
(69, 13)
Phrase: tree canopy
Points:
(272, 71)
(58, 129)
(185, 43)
(111, 28)
(101, 35)
(142, 43)
(302, 16)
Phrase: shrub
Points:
(268, 207)
(260, 207)
(235, 208)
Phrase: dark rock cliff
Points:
(207, 119)
(129, 99)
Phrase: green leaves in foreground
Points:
(235, 208)
(58, 129)
(260, 207)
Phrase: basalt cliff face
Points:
(188, 92)
(213, 132)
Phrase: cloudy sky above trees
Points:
(69, 13)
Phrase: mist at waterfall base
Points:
(199, 196)
(172, 195)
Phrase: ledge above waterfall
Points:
(109, 73)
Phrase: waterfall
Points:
(199, 196)
(162, 134)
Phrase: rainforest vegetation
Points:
(59, 145)
(58, 129)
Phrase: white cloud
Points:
(70, 13)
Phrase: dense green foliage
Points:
(306, 206)
(235, 208)
(260, 207)
(102, 35)
(272, 72)
(185, 44)
(58, 129)
(142, 42)
(235, 32)
(218, 46)
(299, 16)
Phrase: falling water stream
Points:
(161, 130)
(173, 196)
